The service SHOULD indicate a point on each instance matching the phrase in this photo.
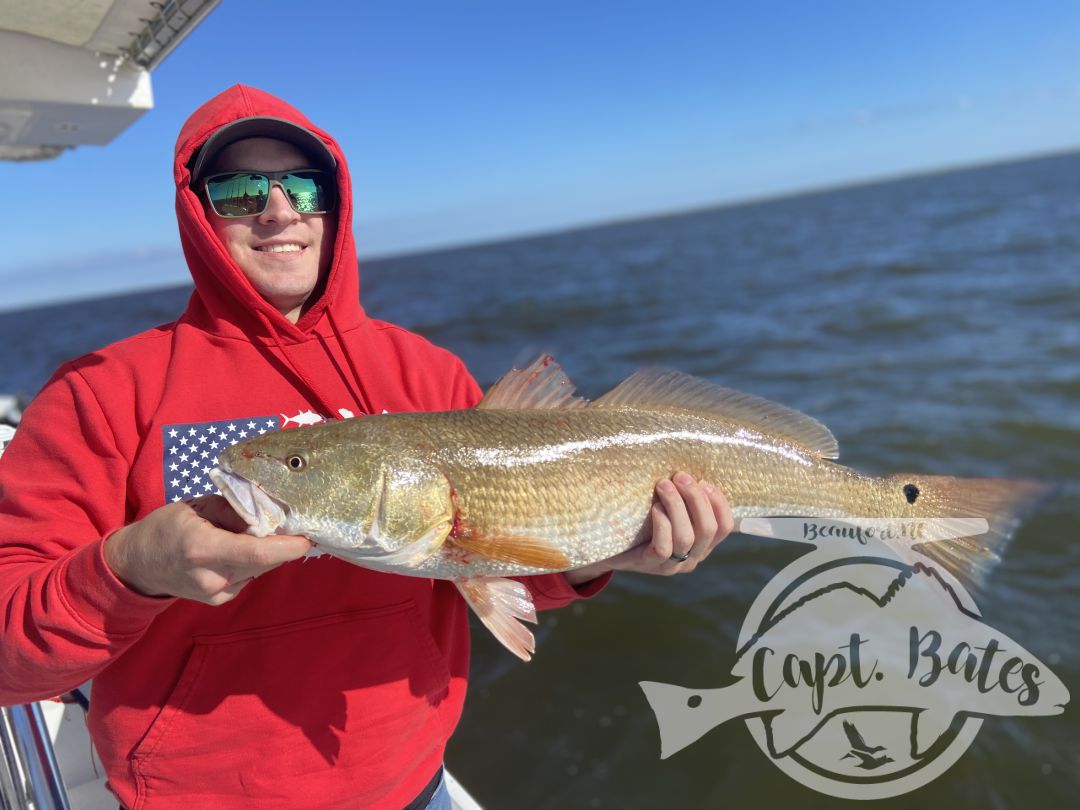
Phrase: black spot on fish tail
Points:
(911, 492)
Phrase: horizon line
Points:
(522, 236)
(741, 202)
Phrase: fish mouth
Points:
(263, 513)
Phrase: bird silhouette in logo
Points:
(863, 752)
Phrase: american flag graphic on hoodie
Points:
(191, 450)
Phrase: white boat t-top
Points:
(77, 72)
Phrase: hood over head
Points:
(262, 127)
(224, 300)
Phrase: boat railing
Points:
(30, 777)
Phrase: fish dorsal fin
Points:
(540, 385)
(662, 389)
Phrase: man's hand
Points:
(688, 521)
(194, 550)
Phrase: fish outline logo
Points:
(302, 419)
(862, 674)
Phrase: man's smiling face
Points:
(285, 255)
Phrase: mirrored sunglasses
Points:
(245, 194)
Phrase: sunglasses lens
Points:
(244, 194)
(238, 195)
(309, 192)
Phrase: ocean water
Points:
(932, 322)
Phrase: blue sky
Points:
(471, 121)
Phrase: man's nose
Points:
(278, 209)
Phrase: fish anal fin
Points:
(663, 389)
(541, 385)
(530, 551)
(502, 605)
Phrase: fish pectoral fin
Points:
(502, 605)
(530, 551)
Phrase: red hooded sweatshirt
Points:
(322, 684)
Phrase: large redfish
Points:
(535, 480)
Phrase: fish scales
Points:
(584, 479)
(535, 480)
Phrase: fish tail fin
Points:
(1000, 502)
(684, 715)
(502, 605)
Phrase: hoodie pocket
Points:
(255, 710)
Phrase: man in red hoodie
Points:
(226, 674)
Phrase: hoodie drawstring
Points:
(358, 391)
(324, 404)
(355, 386)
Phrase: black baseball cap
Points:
(264, 127)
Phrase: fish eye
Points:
(296, 462)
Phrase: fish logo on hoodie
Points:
(862, 675)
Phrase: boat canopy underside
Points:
(74, 73)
